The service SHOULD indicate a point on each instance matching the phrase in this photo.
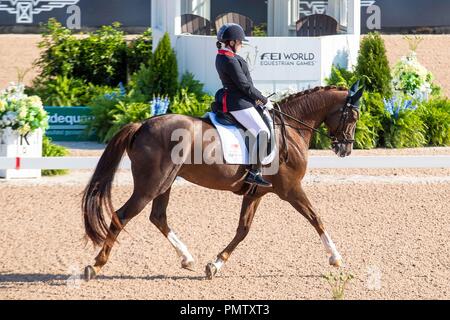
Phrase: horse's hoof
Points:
(210, 271)
(335, 261)
(190, 265)
(89, 273)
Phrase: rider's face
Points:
(237, 45)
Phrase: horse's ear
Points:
(354, 99)
(354, 88)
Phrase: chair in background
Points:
(233, 17)
(194, 24)
(316, 25)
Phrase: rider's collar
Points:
(226, 52)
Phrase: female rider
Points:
(239, 96)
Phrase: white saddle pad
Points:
(233, 144)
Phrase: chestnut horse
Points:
(149, 147)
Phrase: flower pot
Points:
(12, 145)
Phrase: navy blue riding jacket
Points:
(238, 91)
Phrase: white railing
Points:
(330, 162)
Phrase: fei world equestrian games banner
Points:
(26, 15)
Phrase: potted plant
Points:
(22, 123)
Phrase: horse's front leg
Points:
(297, 198)
(248, 209)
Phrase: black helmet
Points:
(231, 31)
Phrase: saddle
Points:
(227, 119)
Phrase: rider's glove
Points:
(268, 105)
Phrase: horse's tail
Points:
(97, 195)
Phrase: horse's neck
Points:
(311, 113)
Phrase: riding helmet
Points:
(231, 31)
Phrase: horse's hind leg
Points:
(130, 209)
(159, 218)
(146, 188)
(297, 198)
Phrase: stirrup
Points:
(255, 178)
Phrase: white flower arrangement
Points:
(21, 112)
(412, 78)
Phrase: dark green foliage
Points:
(405, 131)
(63, 91)
(160, 76)
(319, 141)
(341, 77)
(369, 127)
(103, 110)
(163, 69)
(52, 150)
(373, 66)
(142, 82)
(98, 58)
(367, 131)
(187, 103)
(125, 113)
(436, 116)
(260, 30)
(139, 52)
(192, 85)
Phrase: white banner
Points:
(283, 58)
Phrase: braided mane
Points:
(308, 101)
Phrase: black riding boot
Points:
(254, 175)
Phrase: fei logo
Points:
(25, 9)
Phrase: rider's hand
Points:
(268, 105)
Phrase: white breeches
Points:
(252, 121)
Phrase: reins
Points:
(301, 122)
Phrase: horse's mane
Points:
(306, 101)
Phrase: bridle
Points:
(346, 111)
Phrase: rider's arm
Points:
(235, 72)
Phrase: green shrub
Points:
(164, 69)
(103, 110)
(319, 141)
(98, 58)
(341, 77)
(260, 30)
(103, 57)
(52, 150)
(187, 103)
(373, 67)
(160, 76)
(367, 130)
(60, 51)
(436, 116)
(126, 113)
(139, 52)
(402, 126)
(192, 85)
(113, 110)
(142, 82)
(63, 91)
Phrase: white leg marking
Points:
(180, 247)
(330, 247)
(218, 264)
